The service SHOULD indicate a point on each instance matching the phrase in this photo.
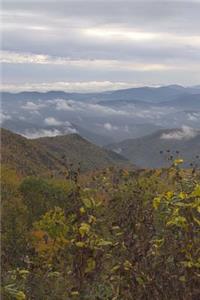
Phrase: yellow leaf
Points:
(169, 195)
(156, 202)
(127, 265)
(84, 229)
(196, 192)
(20, 296)
(75, 293)
(82, 210)
(178, 162)
(182, 195)
(80, 244)
(92, 219)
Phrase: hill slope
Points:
(25, 156)
(76, 149)
(145, 151)
(40, 156)
(184, 101)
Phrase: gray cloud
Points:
(144, 42)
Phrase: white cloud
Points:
(120, 34)
(50, 121)
(127, 34)
(63, 104)
(31, 106)
(110, 127)
(193, 117)
(83, 86)
(48, 133)
(71, 105)
(185, 133)
(4, 117)
(103, 109)
(118, 150)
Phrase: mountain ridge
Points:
(154, 150)
(146, 93)
(45, 155)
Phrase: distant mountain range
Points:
(153, 151)
(102, 118)
(149, 94)
(54, 154)
(31, 96)
(176, 100)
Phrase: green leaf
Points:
(102, 242)
(182, 278)
(115, 268)
(140, 280)
(91, 264)
(87, 202)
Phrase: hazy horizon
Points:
(71, 89)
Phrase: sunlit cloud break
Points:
(9, 57)
(83, 86)
(120, 34)
(126, 34)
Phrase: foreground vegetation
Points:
(114, 234)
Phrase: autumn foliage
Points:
(114, 234)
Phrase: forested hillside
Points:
(25, 156)
(51, 156)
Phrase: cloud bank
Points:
(185, 133)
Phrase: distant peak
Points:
(174, 86)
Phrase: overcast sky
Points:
(97, 45)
